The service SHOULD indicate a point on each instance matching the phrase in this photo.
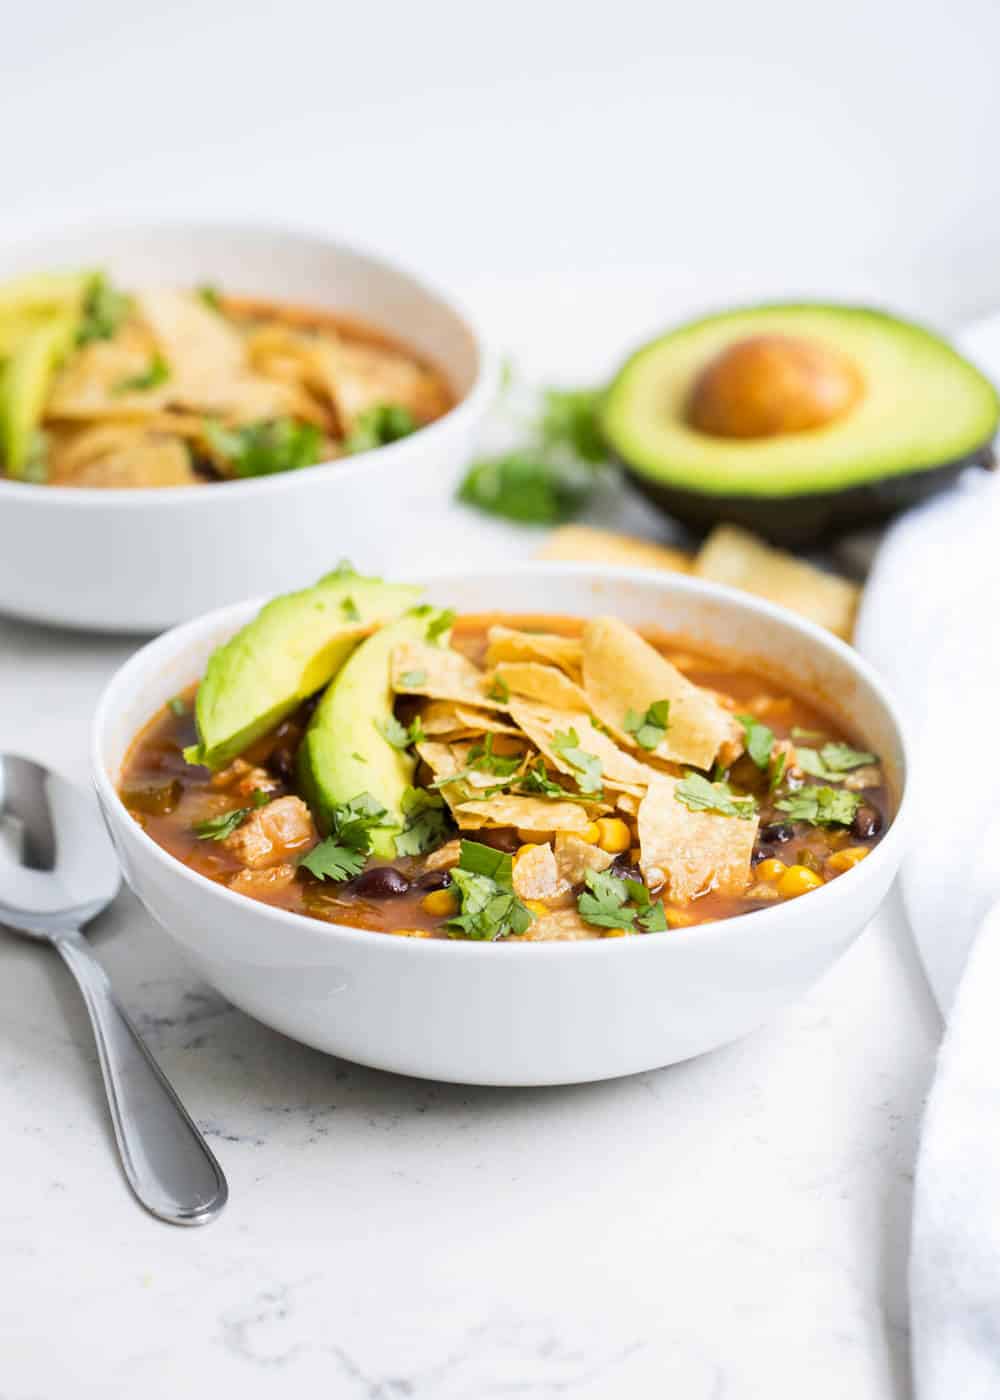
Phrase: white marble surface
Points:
(732, 1227)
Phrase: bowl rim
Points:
(477, 397)
(781, 915)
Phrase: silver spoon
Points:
(58, 870)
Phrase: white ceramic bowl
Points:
(545, 1013)
(142, 560)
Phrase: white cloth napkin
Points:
(929, 623)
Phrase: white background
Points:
(581, 173)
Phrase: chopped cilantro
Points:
(350, 610)
(499, 690)
(427, 822)
(210, 296)
(261, 449)
(352, 823)
(332, 861)
(776, 770)
(569, 419)
(528, 487)
(381, 424)
(260, 797)
(806, 735)
(398, 735)
(605, 904)
(586, 766)
(413, 678)
(537, 782)
(482, 759)
(359, 756)
(178, 706)
(699, 795)
(156, 373)
(648, 730)
(103, 311)
(759, 740)
(218, 828)
(832, 760)
(483, 881)
(821, 806)
(440, 624)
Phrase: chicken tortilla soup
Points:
(356, 755)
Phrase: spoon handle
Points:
(167, 1161)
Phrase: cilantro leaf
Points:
(841, 758)
(428, 823)
(529, 487)
(413, 678)
(440, 624)
(649, 729)
(776, 770)
(218, 828)
(586, 766)
(603, 902)
(177, 705)
(350, 610)
(352, 823)
(104, 311)
(156, 373)
(499, 690)
(479, 859)
(482, 757)
(209, 295)
(261, 449)
(759, 740)
(381, 424)
(821, 806)
(536, 782)
(569, 419)
(653, 919)
(483, 881)
(331, 861)
(699, 795)
(398, 735)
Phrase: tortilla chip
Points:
(590, 546)
(509, 644)
(438, 717)
(628, 803)
(562, 925)
(695, 851)
(736, 557)
(89, 384)
(441, 673)
(541, 725)
(622, 672)
(444, 857)
(537, 876)
(546, 684)
(479, 722)
(196, 342)
(357, 377)
(527, 813)
(145, 460)
(574, 857)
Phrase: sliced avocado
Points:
(288, 652)
(344, 752)
(44, 292)
(797, 420)
(24, 387)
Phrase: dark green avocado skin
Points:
(797, 521)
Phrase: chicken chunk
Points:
(272, 834)
(258, 884)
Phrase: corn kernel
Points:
(615, 836)
(770, 869)
(615, 932)
(537, 907)
(847, 859)
(635, 855)
(591, 833)
(411, 932)
(798, 879)
(679, 918)
(440, 904)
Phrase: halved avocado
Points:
(288, 652)
(797, 420)
(344, 752)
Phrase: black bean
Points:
(867, 822)
(623, 869)
(434, 880)
(777, 832)
(381, 882)
(501, 838)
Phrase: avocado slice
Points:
(288, 652)
(896, 413)
(44, 292)
(24, 388)
(344, 753)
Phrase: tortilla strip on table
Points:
(622, 672)
(696, 851)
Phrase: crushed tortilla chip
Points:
(574, 857)
(736, 557)
(622, 672)
(419, 668)
(445, 856)
(694, 851)
(546, 684)
(509, 644)
(527, 813)
(590, 546)
(541, 724)
(537, 875)
(561, 926)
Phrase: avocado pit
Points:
(768, 385)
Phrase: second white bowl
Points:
(142, 560)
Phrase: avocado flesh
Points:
(24, 388)
(291, 649)
(343, 753)
(924, 414)
(44, 293)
